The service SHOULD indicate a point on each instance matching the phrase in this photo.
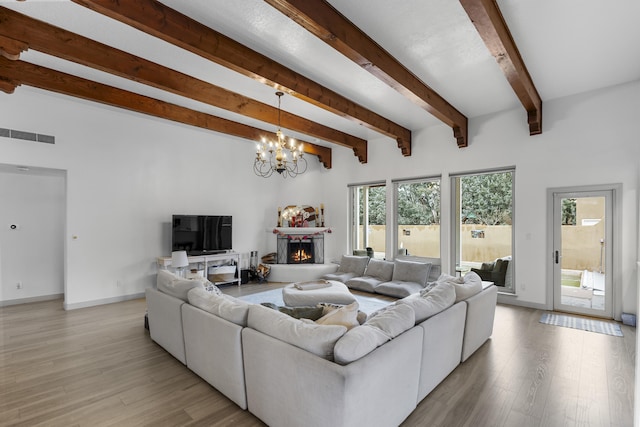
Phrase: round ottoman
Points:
(335, 293)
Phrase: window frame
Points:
(394, 226)
(455, 221)
(354, 215)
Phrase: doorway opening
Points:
(583, 238)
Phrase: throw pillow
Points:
(311, 313)
(307, 335)
(346, 315)
(175, 286)
(224, 306)
(380, 269)
(430, 302)
(411, 271)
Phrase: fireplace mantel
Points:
(299, 230)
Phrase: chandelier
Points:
(280, 156)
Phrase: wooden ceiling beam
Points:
(11, 49)
(488, 20)
(324, 21)
(14, 73)
(160, 21)
(64, 44)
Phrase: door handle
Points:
(556, 256)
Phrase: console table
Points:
(207, 260)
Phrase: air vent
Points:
(27, 136)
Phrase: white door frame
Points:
(616, 241)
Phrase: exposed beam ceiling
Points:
(490, 23)
(58, 42)
(171, 26)
(15, 73)
(322, 20)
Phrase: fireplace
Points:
(301, 249)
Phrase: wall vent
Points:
(27, 136)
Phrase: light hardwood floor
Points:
(97, 366)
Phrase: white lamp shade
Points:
(179, 259)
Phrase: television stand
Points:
(208, 260)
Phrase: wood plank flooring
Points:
(98, 367)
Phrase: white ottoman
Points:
(336, 293)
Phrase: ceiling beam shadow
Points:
(325, 22)
(488, 20)
(158, 20)
(16, 73)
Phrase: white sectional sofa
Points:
(291, 372)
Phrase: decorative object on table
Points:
(298, 216)
(279, 156)
(321, 214)
(179, 261)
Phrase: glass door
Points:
(582, 255)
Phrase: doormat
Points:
(591, 325)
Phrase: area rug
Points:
(591, 325)
(366, 304)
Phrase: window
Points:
(482, 210)
(417, 217)
(368, 218)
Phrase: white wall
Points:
(33, 252)
(127, 173)
(587, 139)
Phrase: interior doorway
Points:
(582, 253)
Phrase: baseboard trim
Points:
(103, 301)
(510, 300)
(31, 299)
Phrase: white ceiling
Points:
(569, 47)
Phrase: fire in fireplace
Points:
(300, 252)
(300, 249)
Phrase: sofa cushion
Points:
(305, 334)
(346, 315)
(377, 271)
(430, 302)
(339, 277)
(465, 287)
(398, 289)
(353, 264)
(410, 271)
(177, 287)
(384, 326)
(223, 306)
(364, 283)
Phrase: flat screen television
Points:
(201, 234)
